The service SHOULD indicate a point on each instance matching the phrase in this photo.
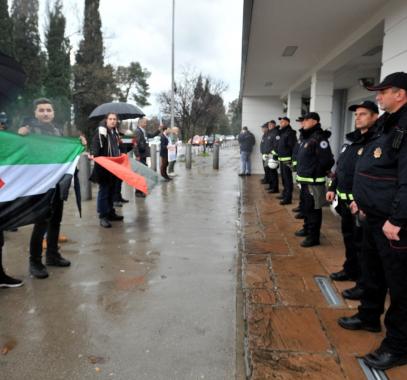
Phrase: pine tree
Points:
(94, 83)
(58, 74)
(6, 35)
(27, 49)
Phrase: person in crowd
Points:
(315, 161)
(366, 115)
(164, 153)
(172, 149)
(43, 124)
(3, 121)
(299, 208)
(246, 141)
(141, 149)
(105, 143)
(286, 142)
(118, 199)
(265, 150)
(380, 196)
(273, 133)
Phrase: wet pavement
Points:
(292, 331)
(152, 298)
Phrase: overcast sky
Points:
(207, 37)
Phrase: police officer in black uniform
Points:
(315, 160)
(299, 208)
(265, 149)
(366, 114)
(380, 192)
(286, 142)
(273, 133)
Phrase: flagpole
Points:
(172, 65)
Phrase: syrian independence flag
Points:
(31, 167)
(121, 168)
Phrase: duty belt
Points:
(284, 159)
(310, 180)
(344, 196)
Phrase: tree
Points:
(198, 104)
(6, 35)
(27, 49)
(93, 81)
(235, 115)
(132, 83)
(58, 75)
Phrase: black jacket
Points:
(314, 156)
(286, 142)
(380, 184)
(246, 141)
(163, 146)
(266, 143)
(141, 148)
(342, 181)
(274, 142)
(104, 143)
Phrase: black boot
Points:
(37, 268)
(55, 259)
(309, 241)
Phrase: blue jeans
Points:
(105, 199)
(245, 164)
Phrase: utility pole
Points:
(172, 65)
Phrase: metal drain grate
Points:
(371, 373)
(328, 291)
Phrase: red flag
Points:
(121, 168)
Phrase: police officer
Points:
(380, 192)
(298, 209)
(273, 133)
(315, 160)
(366, 114)
(286, 141)
(265, 149)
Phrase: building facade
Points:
(317, 55)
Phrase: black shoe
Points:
(309, 242)
(9, 282)
(263, 181)
(301, 233)
(248, 174)
(285, 202)
(383, 360)
(281, 197)
(38, 269)
(124, 200)
(56, 260)
(296, 209)
(140, 195)
(299, 216)
(241, 174)
(354, 293)
(272, 191)
(117, 204)
(114, 217)
(105, 223)
(356, 323)
(341, 276)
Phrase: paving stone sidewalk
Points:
(291, 331)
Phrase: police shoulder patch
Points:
(344, 147)
(323, 144)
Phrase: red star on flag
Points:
(1, 183)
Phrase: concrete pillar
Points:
(216, 149)
(294, 106)
(394, 57)
(322, 90)
(188, 156)
(153, 156)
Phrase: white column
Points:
(394, 56)
(294, 103)
(322, 89)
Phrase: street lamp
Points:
(172, 65)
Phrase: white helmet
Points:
(272, 163)
(265, 157)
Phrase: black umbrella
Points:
(12, 77)
(124, 110)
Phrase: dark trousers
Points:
(171, 166)
(164, 166)
(312, 216)
(1, 252)
(266, 172)
(51, 227)
(105, 199)
(352, 239)
(287, 179)
(271, 177)
(384, 266)
(117, 196)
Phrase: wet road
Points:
(152, 298)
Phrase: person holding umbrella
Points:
(105, 143)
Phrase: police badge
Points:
(360, 151)
(377, 152)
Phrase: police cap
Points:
(398, 80)
(312, 115)
(300, 118)
(366, 104)
(284, 118)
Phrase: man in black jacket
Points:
(273, 133)
(246, 141)
(380, 192)
(265, 150)
(315, 160)
(286, 142)
(366, 114)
